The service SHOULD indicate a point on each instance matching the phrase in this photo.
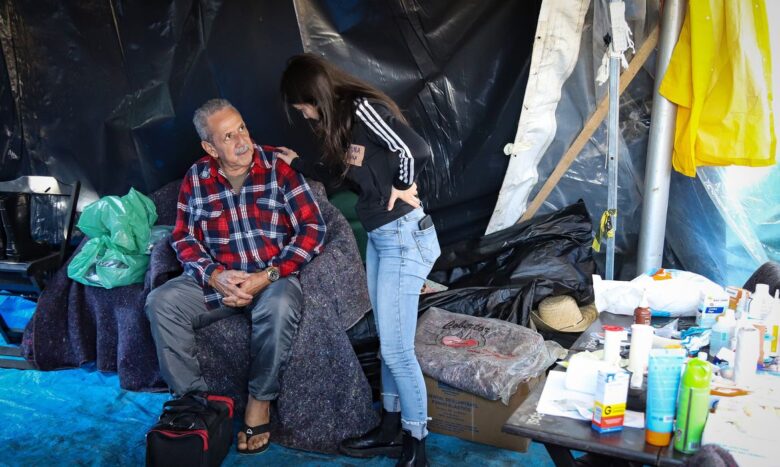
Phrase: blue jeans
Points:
(399, 257)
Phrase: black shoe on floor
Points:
(413, 452)
(384, 440)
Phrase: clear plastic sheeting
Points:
(482, 356)
(587, 176)
(722, 225)
(732, 215)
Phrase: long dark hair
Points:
(309, 79)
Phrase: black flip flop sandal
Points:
(250, 431)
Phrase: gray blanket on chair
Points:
(324, 396)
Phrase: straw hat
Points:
(561, 314)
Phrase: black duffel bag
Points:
(194, 430)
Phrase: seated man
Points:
(244, 227)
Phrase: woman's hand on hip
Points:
(408, 196)
(286, 154)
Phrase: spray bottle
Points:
(694, 405)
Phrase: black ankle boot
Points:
(413, 452)
(19, 244)
(384, 440)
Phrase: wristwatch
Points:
(273, 273)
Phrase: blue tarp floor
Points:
(82, 417)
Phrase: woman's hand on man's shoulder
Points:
(286, 154)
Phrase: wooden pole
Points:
(590, 126)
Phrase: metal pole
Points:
(613, 131)
(658, 168)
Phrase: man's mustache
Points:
(242, 149)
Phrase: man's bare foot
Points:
(257, 413)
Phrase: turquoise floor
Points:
(82, 417)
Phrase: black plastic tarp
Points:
(458, 68)
(103, 91)
(506, 274)
(10, 132)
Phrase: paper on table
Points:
(745, 425)
(557, 400)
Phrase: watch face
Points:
(273, 274)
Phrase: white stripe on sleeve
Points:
(375, 122)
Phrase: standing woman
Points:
(365, 139)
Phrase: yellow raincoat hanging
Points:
(720, 78)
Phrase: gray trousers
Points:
(176, 309)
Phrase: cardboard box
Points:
(457, 413)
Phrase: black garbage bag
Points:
(556, 245)
(505, 303)
(506, 274)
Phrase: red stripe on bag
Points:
(204, 435)
(225, 399)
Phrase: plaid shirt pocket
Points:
(272, 215)
(214, 224)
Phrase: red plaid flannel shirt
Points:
(273, 221)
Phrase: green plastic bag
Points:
(117, 252)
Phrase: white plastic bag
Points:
(670, 292)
